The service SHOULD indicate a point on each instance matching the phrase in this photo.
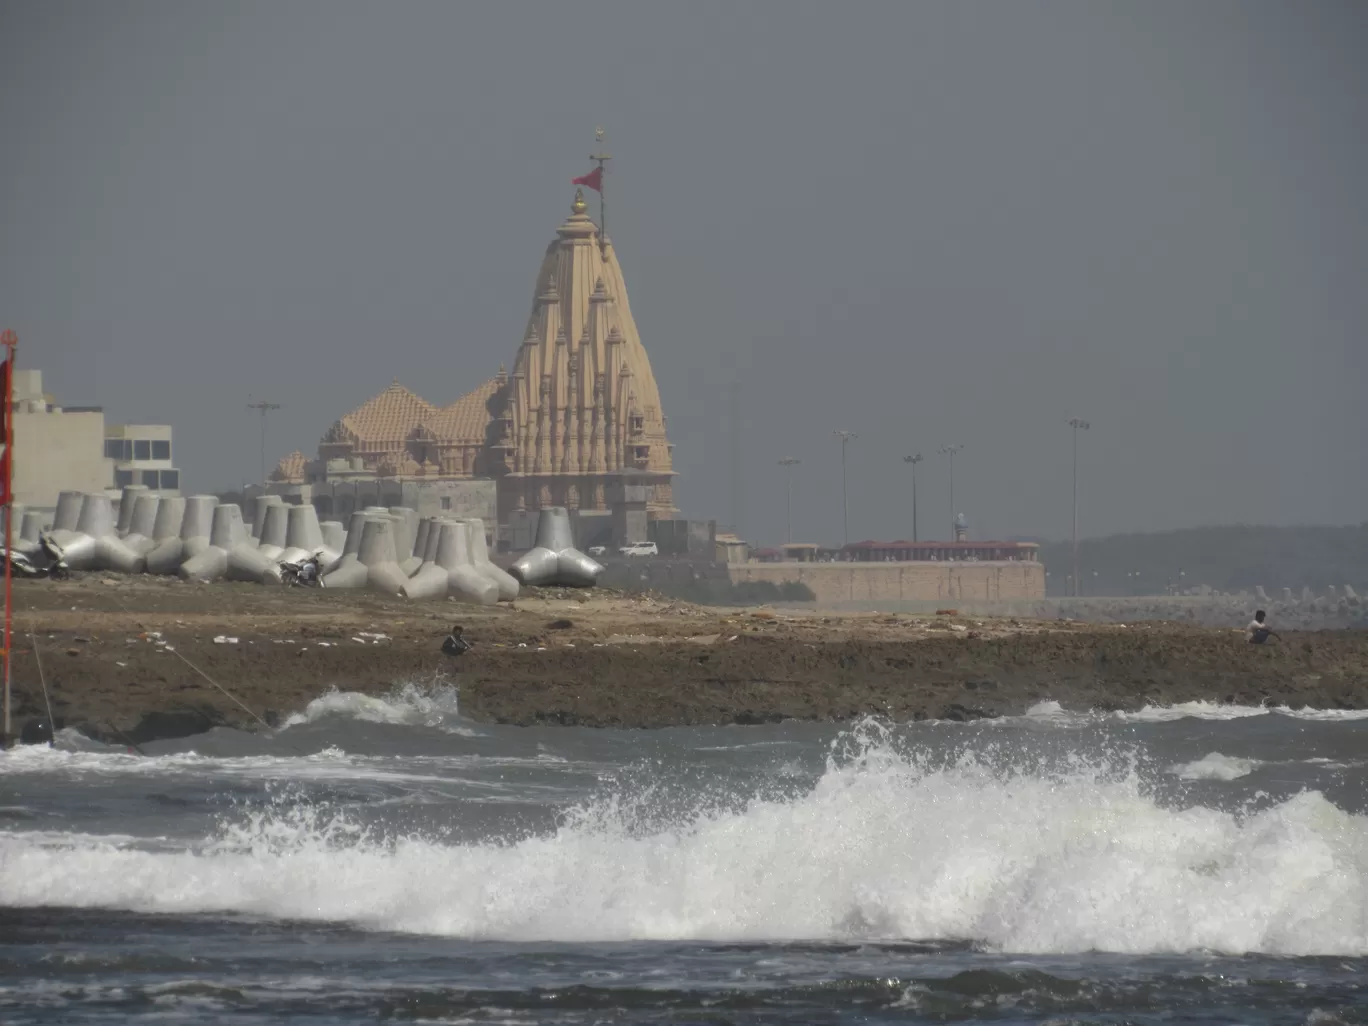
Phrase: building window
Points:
(170, 479)
(122, 478)
(142, 449)
(446, 502)
(161, 450)
(120, 449)
(149, 478)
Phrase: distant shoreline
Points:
(622, 662)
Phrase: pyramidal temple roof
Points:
(466, 419)
(290, 468)
(387, 417)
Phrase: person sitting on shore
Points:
(1259, 632)
(455, 644)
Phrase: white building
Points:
(55, 448)
(69, 448)
(141, 454)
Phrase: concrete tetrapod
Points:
(93, 545)
(430, 580)
(378, 555)
(97, 520)
(303, 537)
(127, 502)
(420, 541)
(465, 583)
(68, 511)
(191, 539)
(142, 524)
(349, 572)
(19, 519)
(554, 560)
(334, 536)
(164, 557)
(30, 531)
(227, 534)
(259, 504)
(17, 512)
(479, 558)
(275, 526)
(405, 539)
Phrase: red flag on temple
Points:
(594, 180)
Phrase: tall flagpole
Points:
(11, 342)
(601, 158)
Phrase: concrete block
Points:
(275, 527)
(554, 561)
(303, 536)
(68, 511)
(479, 558)
(226, 533)
(334, 536)
(127, 501)
(464, 581)
(258, 508)
(377, 553)
(168, 550)
(142, 524)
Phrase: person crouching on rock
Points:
(1259, 632)
(455, 644)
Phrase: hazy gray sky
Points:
(925, 222)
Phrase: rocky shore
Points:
(132, 659)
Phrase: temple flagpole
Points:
(601, 158)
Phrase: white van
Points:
(639, 549)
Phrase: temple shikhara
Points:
(579, 413)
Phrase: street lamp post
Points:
(789, 462)
(846, 438)
(950, 450)
(912, 462)
(1077, 425)
(263, 408)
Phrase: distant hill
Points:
(1235, 558)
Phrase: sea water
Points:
(385, 860)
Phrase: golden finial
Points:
(579, 206)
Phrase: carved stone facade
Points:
(580, 410)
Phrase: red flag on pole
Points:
(593, 180)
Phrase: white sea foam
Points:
(408, 705)
(1215, 766)
(1191, 710)
(1052, 712)
(885, 845)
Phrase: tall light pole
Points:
(846, 438)
(1078, 425)
(265, 408)
(789, 462)
(912, 462)
(950, 450)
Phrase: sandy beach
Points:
(138, 658)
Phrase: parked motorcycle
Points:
(307, 573)
(54, 566)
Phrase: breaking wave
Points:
(886, 844)
(408, 704)
(1215, 766)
